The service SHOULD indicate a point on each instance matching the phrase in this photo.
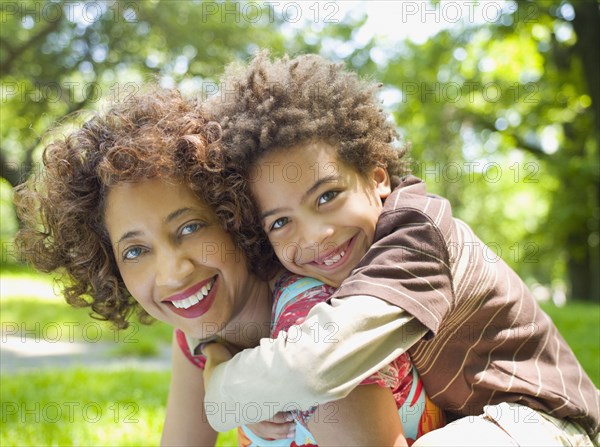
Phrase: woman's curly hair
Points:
(155, 134)
(273, 105)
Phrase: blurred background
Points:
(499, 100)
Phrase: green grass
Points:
(86, 407)
(579, 324)
(30, 305)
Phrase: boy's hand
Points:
(280, 426)
(216, 353)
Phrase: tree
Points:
(508, 111)
(57, 58)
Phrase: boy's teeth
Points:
(194, 299)
(334, 259)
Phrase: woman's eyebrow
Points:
(129, 235)
(175, 214)
(172, 216)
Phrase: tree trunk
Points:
(583, 274)
(16, 173)
(587, 28)
(583, 270)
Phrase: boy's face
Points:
(319, 213)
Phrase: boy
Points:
(480, 342)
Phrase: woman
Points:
(138, 212)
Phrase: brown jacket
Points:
(489, 341)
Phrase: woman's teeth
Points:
(335, 259)
(195, 298)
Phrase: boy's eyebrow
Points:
(327, 179)
(315, 186)
(266, 214)
(174, 215)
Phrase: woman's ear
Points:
(383, 184)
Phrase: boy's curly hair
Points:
(155, 134)
(272, 105)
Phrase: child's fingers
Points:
(273, 430)
(216, 352)
(282, 417)
(300, 320)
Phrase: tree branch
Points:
(14, 53)
(16, 173)
(521, 143)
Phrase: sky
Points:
(396, 20)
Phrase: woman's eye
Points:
(132, 253)
(327, 197)
(190, 228)
(279, 223)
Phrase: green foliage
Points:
(500, 110)
(60, 57)
(8, 219)
(501, 122)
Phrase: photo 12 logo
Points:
(71, 412)
(83, 12)
(67, 91)
(270, 12)
(67, 332)
(466, 11)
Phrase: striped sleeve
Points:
(408, 265)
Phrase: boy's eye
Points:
(190, 228)
(132, 253)
(327, 197)
(279, 223)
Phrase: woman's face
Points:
(176, 259)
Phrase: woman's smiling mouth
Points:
(186, 303)
(194, 301)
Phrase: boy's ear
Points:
(383, 183)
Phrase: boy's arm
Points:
(319, 361)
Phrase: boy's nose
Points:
(316, 235)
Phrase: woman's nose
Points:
(173, 267)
